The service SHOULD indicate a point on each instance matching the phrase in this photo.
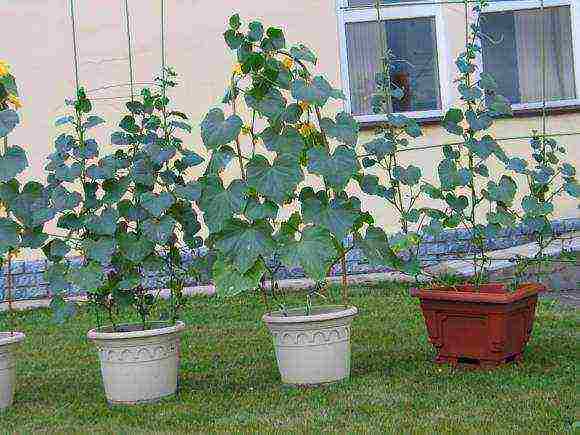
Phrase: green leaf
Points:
(276, 38)
(156, 204)
(501, 106)
(244, 244)
(375, 247)
(380, 147)
(181, 125)
(336, 216)
(217, 131)
(100, 250)
(518, 165)
(504, 191)
(62, 310)
(277, 181)
(190, 158)
(533, 207)
(256, 210)
(12, 163)
(93, 121)
(88, 278)
(8, 121)
(129, 125)
(487, 82)
(337, 169)
(219, 160)
(160, 230)
(233, 39)
(134, 248)
(142, 172)
(256, 32)
(219, 204)
(271, 105)
(230, 282)
(235, 21)
(317, 92)
(482, 148)
(9, 234)
(345, 129)
(190, 192)
(301, 52)
(288, 142)
(470, 94)
(314, 252)
(408, 176)
(573, 188)
(105, 224)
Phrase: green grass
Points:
(229, 382)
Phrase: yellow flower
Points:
(15, 101)
(246, 130)
(303, 105)
(238, 69)
(306, 128)
(4, 68)
(288, 62)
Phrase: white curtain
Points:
(363, 51)
(558, 54)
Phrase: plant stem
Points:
(344, 278)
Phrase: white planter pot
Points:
(138, 366)
(312, 349)
(8, 343)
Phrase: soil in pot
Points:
(480, 328)
(312, 349)
(8, 344)
(138, 365)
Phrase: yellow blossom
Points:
(238, 69)
(246, 130)
(4, 68)
(306, 128)
(288, 62)
(303, 105)
(15, 101)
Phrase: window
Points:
(512, 52)
(411, 35)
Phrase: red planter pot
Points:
(484, 328)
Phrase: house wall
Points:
(42, 59)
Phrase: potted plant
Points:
(479, 322)
(288, 200)
(131, 220)
(23, 210)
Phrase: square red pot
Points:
(484, 328)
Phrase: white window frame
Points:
(507, 6)
(367, 14)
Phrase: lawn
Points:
(230, 384)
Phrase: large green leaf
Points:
(504, 191)
(88, 278)
(337, 169)
(100, 250)
(316, 92)
(244, 243)
(336, 216)
(345, 128)
(271, 105)
(9, 237)
(159, 230)
(217, 131)
(229, 281)
(256, 210)
(289, 141)
(190, 192)
(105, 224)
(8, 121)
(572, 188)
(277, 181)
(408, 176)
(314, 252)
(157, 204)
(375, 247)
(219, 204)
(134, 248)
(301, 52)
(12, 163)
(380, 147)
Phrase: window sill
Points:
(423, 118)
(552, 108)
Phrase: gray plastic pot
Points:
(312, 349)
(8, 344)
(138, 366)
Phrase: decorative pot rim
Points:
(7, 338)
(452, 294)
(102, 334)
(326, 312)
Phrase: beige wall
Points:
(41, 55)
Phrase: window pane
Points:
(414, 67)
(512, 53)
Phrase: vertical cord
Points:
(163, 44)
(75, 49)
(129, 48)
(543, 60)
(385, 61)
